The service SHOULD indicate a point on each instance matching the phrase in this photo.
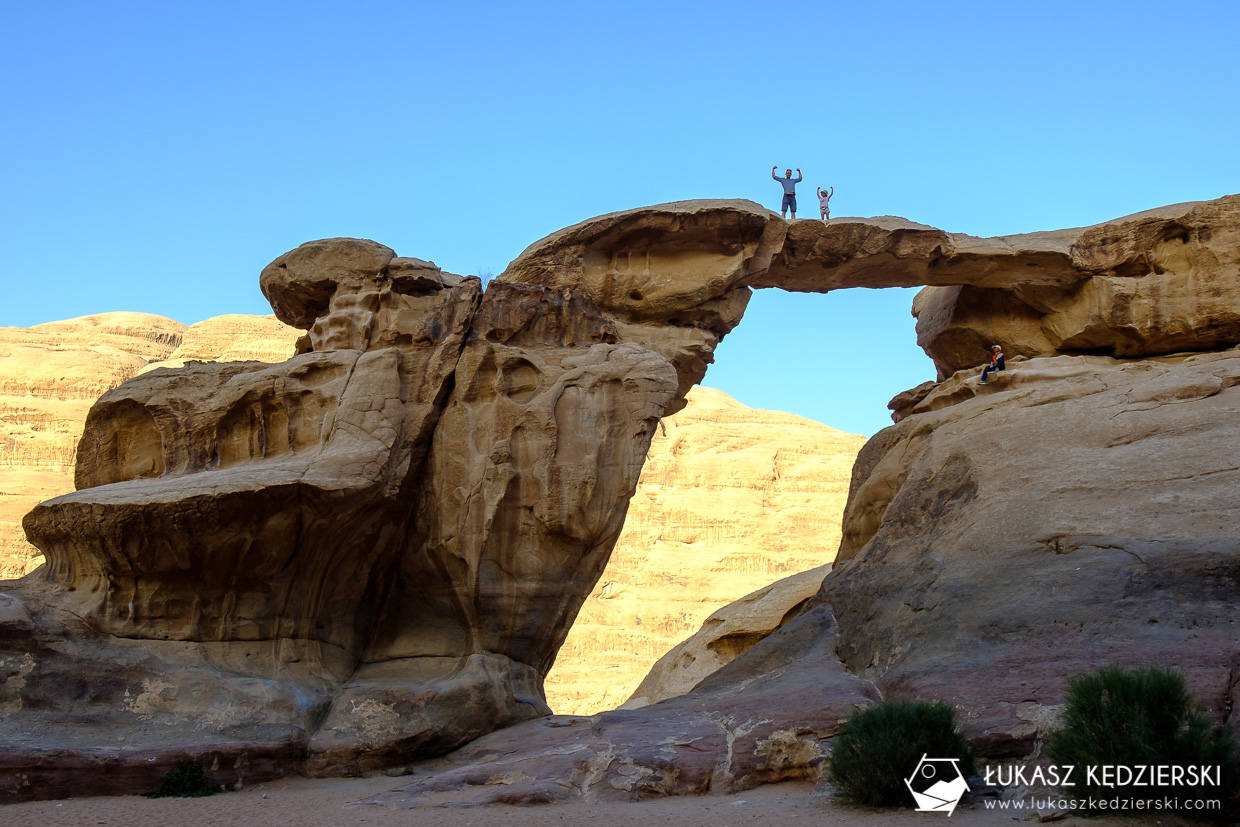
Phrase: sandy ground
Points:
(302, 802)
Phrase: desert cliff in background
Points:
(51, 374)
(456, 466)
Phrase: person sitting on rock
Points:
(996, 363)
(824, 202)
(790, 191)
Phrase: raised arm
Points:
(773, 175)
(798, 175)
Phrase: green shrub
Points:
(881, 746)
(1141, 718)
(183, 781)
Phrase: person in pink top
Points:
(824, 201)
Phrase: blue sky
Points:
(157, 155)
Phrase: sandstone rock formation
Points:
(398, 525)
(730, 499)
(244, 504)
(671, 277)
(1079, 511)
(51, 374)
(1158, 282)
(998, 541)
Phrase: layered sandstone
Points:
(141, 334)
(51, 375)
(234, 338)
(730, 498)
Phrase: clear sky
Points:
(157, 155)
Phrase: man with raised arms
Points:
(790, 191)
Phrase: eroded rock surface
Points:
(1078, 511)
(729, 498)
(1158, 282)
(765, 717)
(672, 276)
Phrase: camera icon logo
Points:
(937, 785)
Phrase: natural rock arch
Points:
(372, 552)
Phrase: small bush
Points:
(882, 745)
(183, 781)
(1141, 718)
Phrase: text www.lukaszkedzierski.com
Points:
(1100, 804)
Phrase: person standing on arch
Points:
(824, 201)
(790, 191)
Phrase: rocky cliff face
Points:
(373, 552)
(1079, 511)
(730, 499)
(51, 375)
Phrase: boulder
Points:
(728, 633)
(301, 284)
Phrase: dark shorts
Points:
(789, 203)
